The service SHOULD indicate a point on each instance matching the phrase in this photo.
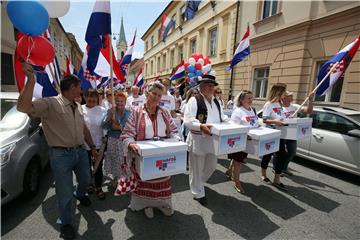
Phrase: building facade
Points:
(289, 42)
(64, 43)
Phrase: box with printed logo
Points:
(297, 128)
(227, 138)
(161, 158)
(263, 141)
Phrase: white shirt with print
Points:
(245, 117)
(168, 102)
(290, 110)
(273, 111)
(132, 102)
(93, 118)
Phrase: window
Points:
(261, 77)
(212, 42)
(164, 62)
(333, 94)
(181, 53)
(332, 122)
(146, 70)
(159, 35)
(7, 74)
(269, 8)
(193, 46)
(182, 14)
(172, 56)
(152, 67)
(174, 19)
(152, 41)
(146, 46)
(158, 65)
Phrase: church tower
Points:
(121, 44)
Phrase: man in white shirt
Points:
(135, 100)
(200, 112)
(167, 100)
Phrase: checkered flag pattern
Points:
(339, 68)
(90, 77)
(126, 183)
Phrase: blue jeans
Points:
(63, 162)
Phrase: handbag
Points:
(127, 182)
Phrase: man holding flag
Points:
(63, 124)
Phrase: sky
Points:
(138, 14)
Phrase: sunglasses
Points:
(219, 92)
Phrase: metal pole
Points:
(234, 46)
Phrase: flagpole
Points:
(111, 72)
(316, 88)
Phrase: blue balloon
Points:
(191, 75)
(29, 17)
(199, 73)
(191, 68)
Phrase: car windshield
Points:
(11, 119)
(355, 117)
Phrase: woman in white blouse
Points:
(243, 114)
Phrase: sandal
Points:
(239, 189)
(90, 190)
(265, 179)
(100, 194)
(228, 175)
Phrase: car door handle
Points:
(318, 136)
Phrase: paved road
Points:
(322, 203)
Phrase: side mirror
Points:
(354, 133)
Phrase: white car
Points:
(335, 139)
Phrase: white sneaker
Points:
(167, 211)
(149, 212)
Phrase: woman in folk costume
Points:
(148, 122)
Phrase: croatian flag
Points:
(96, 58)
(344, 58)
(166, 25)
(126, 60)
(242, 51)
(45, 81)
(179, 72)
(139, 80)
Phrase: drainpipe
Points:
(235, 37)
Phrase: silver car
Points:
(335, 139)
(23, 150)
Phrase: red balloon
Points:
(198, 66)
(195, 56)
(186, 64)
(36, 50)
(206, 61)
(200, 55)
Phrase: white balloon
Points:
(56, 8)
(201, 61)
(212, 73)
(192, 61)
(206, 68)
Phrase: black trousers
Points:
(278, 161)
(98, 175)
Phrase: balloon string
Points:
(30, 49)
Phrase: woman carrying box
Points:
(273, 114)
(243, 114)
(289, 109)
(150, 122)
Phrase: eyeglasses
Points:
(219, 92)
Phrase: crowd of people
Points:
(94, 140)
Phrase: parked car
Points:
(23, 150)
(335, 139)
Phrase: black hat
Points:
(208, 79)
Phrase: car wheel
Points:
(31, 179)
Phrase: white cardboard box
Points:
(158, 159)
(263, 141)
(227, 138)
(298, 128)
